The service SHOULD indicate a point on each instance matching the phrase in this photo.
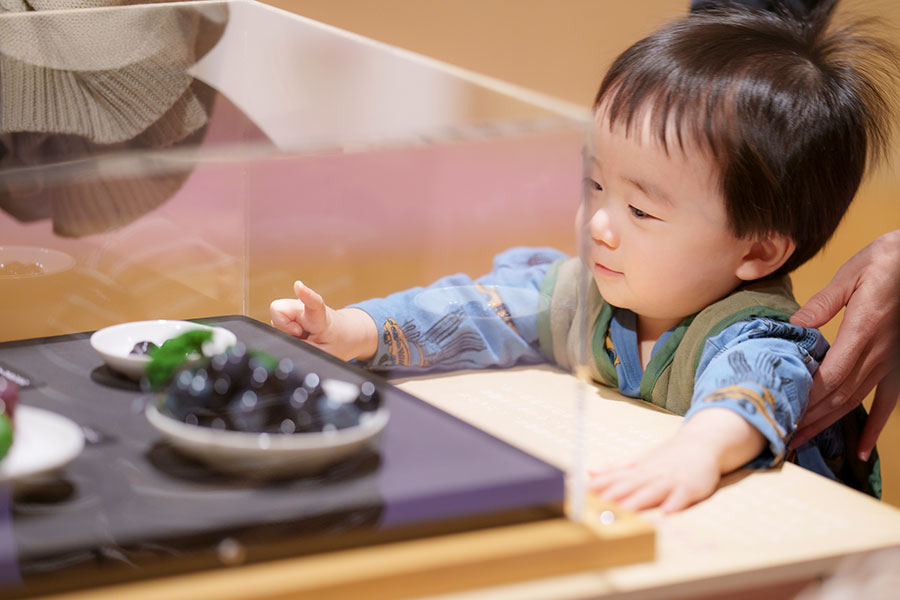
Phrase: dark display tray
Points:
(131, 507)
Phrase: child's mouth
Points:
(602, 270)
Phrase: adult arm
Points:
(865, 352)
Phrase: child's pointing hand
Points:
(347, 333)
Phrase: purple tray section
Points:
(430, 466)
(431, 472)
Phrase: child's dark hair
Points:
(789, 108)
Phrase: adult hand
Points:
(865, 352)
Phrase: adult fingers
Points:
(825, 304)
(882, 406)
(809, 428)
(867, 369)
(834, 371)
(867, 372)
(857, 347)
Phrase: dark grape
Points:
(182, 398)
(338, 415)
(237, 390)
(246, 413)
(368, 399)
(288, 375)
(143, 348)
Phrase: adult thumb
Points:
(819, 309)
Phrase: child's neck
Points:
(649, 330)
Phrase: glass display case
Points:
(190, 161)
(178, 161)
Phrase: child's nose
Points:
(601, 228)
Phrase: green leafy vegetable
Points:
(6, 434)
(264, 358)
(166, 359)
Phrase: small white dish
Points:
(43, 442)
(267, 455)
(115, 343)
(22, 262)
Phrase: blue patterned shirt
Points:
(760, 368)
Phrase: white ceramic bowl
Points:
(268, 455)
(114, 343)
(43, 443)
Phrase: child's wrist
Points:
(728, 436)
(361, 331)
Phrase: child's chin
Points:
(610, 294)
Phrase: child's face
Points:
(659, 240)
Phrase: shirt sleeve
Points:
(459, 323)
(761, 369)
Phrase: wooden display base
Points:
(606, 537)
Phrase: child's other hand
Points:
(687, 468)
(673, 476)
(346, 333)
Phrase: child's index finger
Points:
(314, 305)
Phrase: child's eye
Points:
(593, 185)
(638, 213)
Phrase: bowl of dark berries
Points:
(245, 413)
(128, 347)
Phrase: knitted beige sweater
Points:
(80, 78)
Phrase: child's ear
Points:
(765, 256)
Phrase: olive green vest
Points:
(668, 380)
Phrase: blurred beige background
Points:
(562, 48)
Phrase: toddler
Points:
(726, 148)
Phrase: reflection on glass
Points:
(194, 158)
(80, 93)
(29, 261)
(95, 83)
